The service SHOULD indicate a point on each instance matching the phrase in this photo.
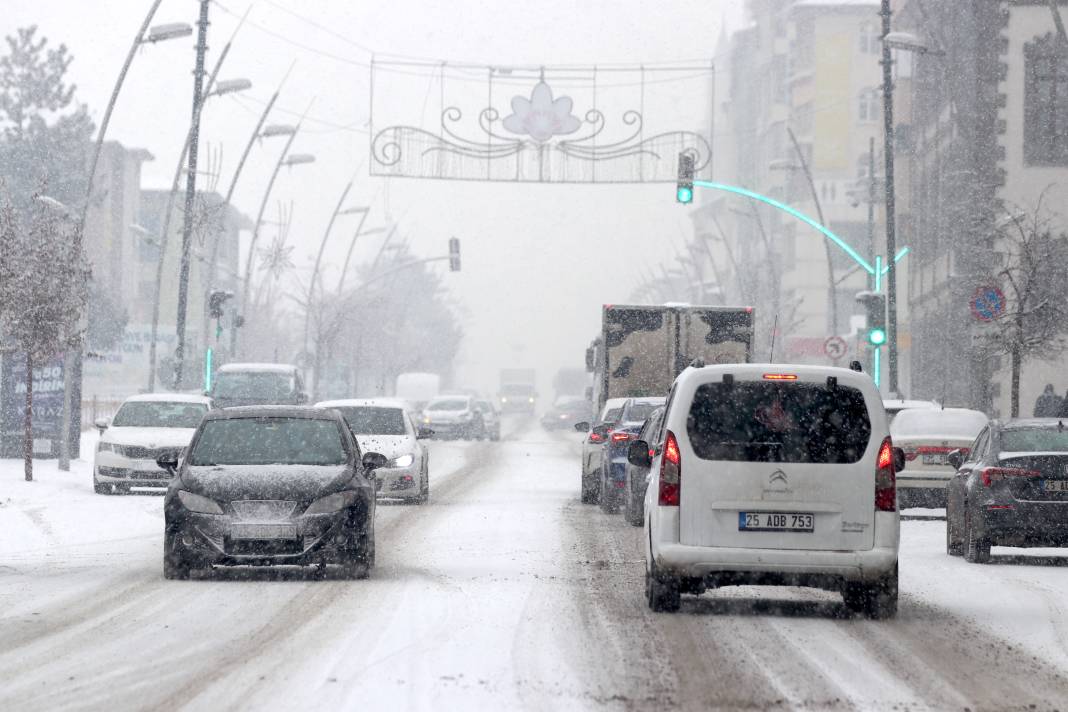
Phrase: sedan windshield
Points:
(448, 405)
(269, 441)
(150, 414)
(371, 420)
(1034, 440)
(638, 412)
(256, 385)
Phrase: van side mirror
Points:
(583, 427)
(101, 424)
(899, 459)
(638, 454)
(955, 458)
(424, 434)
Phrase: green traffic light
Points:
(684, 194)
(877, 337)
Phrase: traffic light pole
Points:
(891, 229)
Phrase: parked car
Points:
(270, 485)
(1010, 489)
(237, 384)
(593, 447)
(566, 412)
(490, 418)
(772, 475)
(928, 435)
(454, 417)
(613, 476)
(144, 428)
(385, 426)
(636, 476)
(893, 406)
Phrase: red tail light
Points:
(996, 474)
(670, 472)
(620, 437)
(596, 438)
(885, 481)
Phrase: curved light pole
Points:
(284, 159)
(213, 90)
(156, 34)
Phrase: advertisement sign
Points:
(47, 406)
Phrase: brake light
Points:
(885, 481)
(596, 438)
(620, 437)
(780, 376)
(990, 475)
(670, 472)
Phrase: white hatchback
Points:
(772, 475)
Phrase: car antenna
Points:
(1060, 425)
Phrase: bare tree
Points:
(43, 288)
(1032, 271)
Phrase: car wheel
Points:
(175, 564)
(662, 592)
(424, 489)
(589, 491)
(876, 600)
(954, 546)
(976, 550)
(101, 488)
(359, 562)
(633, 510)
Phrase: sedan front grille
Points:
(138, 452)
(263, 509)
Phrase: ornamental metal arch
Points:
(540, 124)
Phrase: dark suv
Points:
(1011, 489)
(238, 384)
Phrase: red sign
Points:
(835, 347)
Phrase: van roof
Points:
(267, 367)
(758, 371)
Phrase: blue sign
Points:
(988, 303)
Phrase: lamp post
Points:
(284, 159)
(159, 33)
(909, 43)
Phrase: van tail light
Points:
(620, 437)
(990, 475)
(596, 438)
(670, 472)
(885, 480)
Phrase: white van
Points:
(772, 475)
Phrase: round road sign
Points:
(988, 303)
(835, 347)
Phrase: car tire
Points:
(589, 491)
(101, 488)
(359, 562)
(662, 593)
(606, 502)
(176, 566)
(954, 545)
(877, 600)
(976, 549)
(424, 489)
(633, 511)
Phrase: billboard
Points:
(47, 406)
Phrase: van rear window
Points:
(778, 422)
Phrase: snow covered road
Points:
(505, 593)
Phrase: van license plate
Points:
(775, 521)
(1055, 485)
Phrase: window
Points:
(1045, 103)
(150, 414)
(869, 38)
(371, 420)
(868, 105)
(778, 422)
(257, 385)
(269, 441)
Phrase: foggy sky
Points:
(538, 260)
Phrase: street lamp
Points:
(278, 130)
(167, 31)
(229, 86)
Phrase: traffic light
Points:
(684, 188)
(875, 309)
(216, 300)
(454, 254)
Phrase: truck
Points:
(518, 391)
(418, 388)
(641, 349)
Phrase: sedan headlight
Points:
(198, 503)
(402, 461)
(105, 447)
(333, 503)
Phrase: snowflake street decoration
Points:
(541, 117)
(276, 259)
(542, 140)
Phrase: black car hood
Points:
(226, 483)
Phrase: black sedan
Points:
(637, 476)
(264, 485)
(1012, 490)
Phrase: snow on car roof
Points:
(651, 400)
(364, 402)
(169, 398)
(938, 423)
(273, 367)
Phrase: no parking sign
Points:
(988, 303)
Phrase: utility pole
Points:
(190, 192)
(891, 230)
